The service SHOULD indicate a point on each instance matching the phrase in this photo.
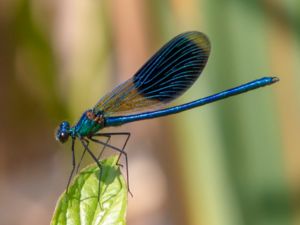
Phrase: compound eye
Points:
(62, 133)
(63, 137)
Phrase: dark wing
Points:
(166, 76)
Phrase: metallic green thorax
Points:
(87, 125)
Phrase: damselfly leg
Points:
(120, 151)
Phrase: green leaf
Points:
(80, 205)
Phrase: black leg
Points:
(82, 155)
(116, 134)
(98, 164)
(84, 151)
(104, 146)
(73, 164)
(121, 151)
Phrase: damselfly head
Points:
(63, 132)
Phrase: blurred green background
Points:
(235, 162)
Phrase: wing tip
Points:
(200, 39)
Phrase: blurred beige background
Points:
(235, 162)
